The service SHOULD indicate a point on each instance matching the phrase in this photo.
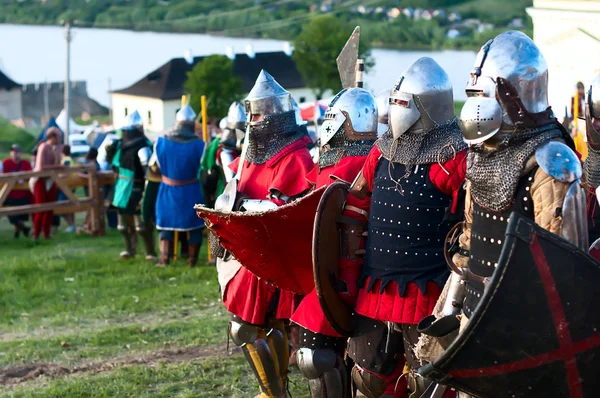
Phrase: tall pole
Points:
(46, 104)
(68, 83)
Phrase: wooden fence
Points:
(65, 179)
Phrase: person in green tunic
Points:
(130, 156)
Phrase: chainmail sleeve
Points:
(591, 167)
(461, 259)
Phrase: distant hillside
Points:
(393, 23)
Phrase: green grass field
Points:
(75, 321)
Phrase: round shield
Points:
(327, 253)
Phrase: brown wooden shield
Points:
(327, 253)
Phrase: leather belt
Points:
(177, 183)
(355, 209)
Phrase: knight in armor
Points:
(348, 133)
(177, 156)
(591, 165)
(130, 156)
(412, 176)
(272, 168)
(233, 136)
(521, 158)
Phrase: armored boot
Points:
(146, 231)
(320, 359)
(127, 229)
(260, 354)
(193, 254)
(165, 253)
(279, 343)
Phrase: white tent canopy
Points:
(74, 128)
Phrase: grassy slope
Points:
(10, 134)
(116, 312)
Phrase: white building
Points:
(157, 96)
(568, 34)
(10, 98)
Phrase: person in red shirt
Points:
(17, 197)
(413, 177)
(347, 136)
(271, 169)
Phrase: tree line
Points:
(276, 19)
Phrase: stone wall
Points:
(33, 100)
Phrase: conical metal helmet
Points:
(185, 114)
(133, 121)
(267, 97)
(514, 57)
(354, 112)
(236, 116)
(421, 99)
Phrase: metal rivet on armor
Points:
(527, 188)
(489, 263)
(425, 253)
(421, 194)
(411, 192)
(492, 240)
(384, 219)
(525, 208)
(499, 242)
(495, 265)
(525, 199)
(398, 235)
(501, 218)
(418, 225)
(405, 253)
(407, 207)
(530, 179)
(484, 239)
(494, 217)
(487, 215)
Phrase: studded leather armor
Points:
(406, 232)
(487, 237)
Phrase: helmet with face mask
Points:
(275, 126)
(421, 100)
(508, 89)
(422, 125)
(349, 127)
(233, 133)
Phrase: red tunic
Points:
(246, 295)
(10, 166)
(309, 314)
(389, 306)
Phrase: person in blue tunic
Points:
(178, 156)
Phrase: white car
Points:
(79, 147)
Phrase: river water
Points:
(113, 59)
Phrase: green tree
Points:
(214, 78)
(316, 49)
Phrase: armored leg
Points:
(278, 341)
(127, 228)
(320, 359)
(260, 354)
(377, 349)
(146, 232)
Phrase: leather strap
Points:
(177, 183)
(355, 209)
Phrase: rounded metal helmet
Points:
(185, 115)
(421, 99)
(592, 114)
(383, 108)
(515, 58)
(353, 112)
(267, 97)
(133, 121)
(236, 116)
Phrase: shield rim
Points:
(330, 315)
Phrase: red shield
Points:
(275, 245)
